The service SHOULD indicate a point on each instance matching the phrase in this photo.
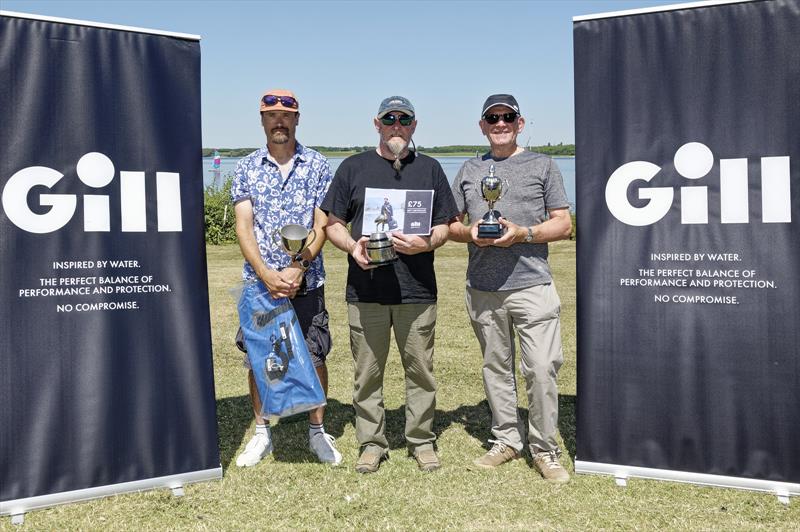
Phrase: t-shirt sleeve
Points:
(324, 183)
(555, 197)
(239, 189)
(444, 206)
(458, 192)
(337, 199)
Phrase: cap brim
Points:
(496, 104)
(405, 110)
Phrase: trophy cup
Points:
(294, 239)
(380, 250)
(491, 191)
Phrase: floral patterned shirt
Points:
(278, 201)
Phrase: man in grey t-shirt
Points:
(509, 286)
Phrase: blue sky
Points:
(342, 57)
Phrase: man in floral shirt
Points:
(284, 183)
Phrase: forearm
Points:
(339, 235)
(459, 232)
(439, 235)
(557, 227)
(249, 247)
(320, 221)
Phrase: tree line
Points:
(560, 149)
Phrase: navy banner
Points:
(105, 346)
(688, 201)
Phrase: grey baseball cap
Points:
(395, 103)
(500, 99)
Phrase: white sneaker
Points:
(322, 445)
(257, 448)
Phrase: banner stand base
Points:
(17, 508)
(782, 490)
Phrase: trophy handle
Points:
(313, 235)
(506, 188)
(276, 237)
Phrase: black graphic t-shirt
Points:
(411, 279)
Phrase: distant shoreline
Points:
(348, 154)
(553, 150)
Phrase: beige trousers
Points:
(414, 329)
(534, 314)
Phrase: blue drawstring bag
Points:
(285, 377)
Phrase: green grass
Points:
(289, 490)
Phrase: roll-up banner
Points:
(688, 202)
(106, 381)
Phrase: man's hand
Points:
(410, 244)
(358, 250)
(512, 235)
(293, 275)
(277, 286)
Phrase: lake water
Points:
(450, 165)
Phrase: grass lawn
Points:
(289, 490)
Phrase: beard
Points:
(396, 145)
(280, 136)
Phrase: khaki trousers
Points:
(534, 314)
(414, 329)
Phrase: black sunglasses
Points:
(286, 101)
(405, 120)
(508, 118)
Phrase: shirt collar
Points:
(299, 153)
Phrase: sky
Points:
(341, 58)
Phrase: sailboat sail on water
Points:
(215, 168)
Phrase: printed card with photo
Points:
(389, 209)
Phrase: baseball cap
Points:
(500, 99)
(279, 105)
(395, 103)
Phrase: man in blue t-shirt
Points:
(399, 296)
(284, 183)
(509, 286)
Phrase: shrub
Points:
(219, 218)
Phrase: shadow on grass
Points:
(290, 434)
(477, 420)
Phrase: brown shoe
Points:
(499, 454)
(546, 462)
(370, 460)
(427, 460)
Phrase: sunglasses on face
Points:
(508, 118)
(404, 119)
(286, 101)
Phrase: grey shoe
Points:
(370, 460)
(546, 462)
(499, 454)
(427, 460)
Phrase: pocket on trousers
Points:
(318, 338)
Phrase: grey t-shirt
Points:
(535, 187)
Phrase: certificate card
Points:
(389, 209)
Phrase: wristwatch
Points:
(305, 264)
(529, 237)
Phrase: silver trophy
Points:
(294, 239)
(380, 250)
(492, 188)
